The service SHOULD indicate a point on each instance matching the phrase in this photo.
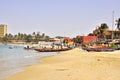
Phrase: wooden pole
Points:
(112, 25)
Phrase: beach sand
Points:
(75, 64)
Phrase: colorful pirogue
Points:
(98, 49)
(52, 50)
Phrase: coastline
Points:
(74, 64)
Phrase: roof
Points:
(87, 39)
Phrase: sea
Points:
(14, 59)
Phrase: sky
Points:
(57, 17)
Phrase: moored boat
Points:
(98, 49)
(52, 50)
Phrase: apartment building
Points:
(3, 30)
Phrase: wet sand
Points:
(75, 64)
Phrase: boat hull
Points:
(99, 49)
(52, 50)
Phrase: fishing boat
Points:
(52, 50)
(98, 49)
(115, 46)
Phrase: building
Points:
(89, 39)
(3, 30)
(112, 34)
(107, 34)
(86, 39)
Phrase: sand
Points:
(75, 64)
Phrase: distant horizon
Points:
(57, 18)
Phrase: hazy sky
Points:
(57, 17)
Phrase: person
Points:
(28, 47)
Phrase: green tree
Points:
(47, 38)
(118, 24)
(28, 38)
(4, 39)
(43, 35)
(77, 40)
(19, 36)
(33, 33)
(101, 30)
(65, 41)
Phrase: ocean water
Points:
(14, 59)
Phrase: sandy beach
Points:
(75, 64)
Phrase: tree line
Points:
(23, 37)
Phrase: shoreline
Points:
(74, 64)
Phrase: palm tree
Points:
(118, 24)
(43, 35)
(28, 38)
(104, 27)
(33, 33)
(101, 30)
(47, 38)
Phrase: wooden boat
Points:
(52, 50)
(115, 47)
(98, 49)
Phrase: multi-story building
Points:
(112, 34)
(108, 34)
(3, 30)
